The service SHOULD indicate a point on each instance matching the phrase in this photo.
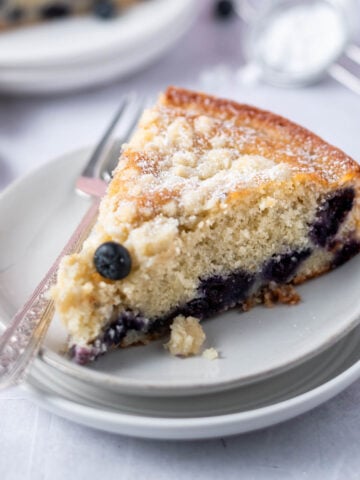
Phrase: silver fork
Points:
(22, 338)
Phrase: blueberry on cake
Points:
(15, 13)
(212, 205)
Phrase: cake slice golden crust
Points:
(214, 201)
(270, 135)
(199, 124)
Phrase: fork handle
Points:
(23, 336)
(353, 52)
(346, 78)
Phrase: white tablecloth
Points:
(35, 444)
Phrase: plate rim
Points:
(182, 388)
(193, 428)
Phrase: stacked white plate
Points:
(274, 363)
(84, 51)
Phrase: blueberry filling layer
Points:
(218, 293)
(331, 215)
(215, 294)
(118, 329)
(281, 268)
(346, 252)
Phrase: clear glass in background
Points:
(298, 42)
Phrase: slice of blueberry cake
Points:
(14, 13)
(212, 204)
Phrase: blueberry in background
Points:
(105, 9)
(224, 9)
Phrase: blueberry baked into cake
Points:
(212, 204)
(14, 13)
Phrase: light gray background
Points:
(37, 445)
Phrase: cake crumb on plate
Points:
(186, 338)
(210, 354)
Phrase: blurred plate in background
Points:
(84, 51)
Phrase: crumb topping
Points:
(184, 168)
(185, 161)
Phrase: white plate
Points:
(50, 80)
(85, 51)
(213, 415)
(86, 38)
(38, 213)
